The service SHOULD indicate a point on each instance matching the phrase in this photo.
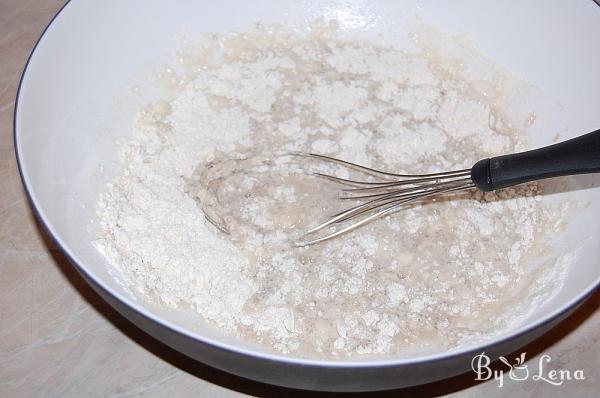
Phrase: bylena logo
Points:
(520, 371)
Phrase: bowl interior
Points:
(76, 100)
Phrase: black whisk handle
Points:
(579, 155)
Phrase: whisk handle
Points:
(579, 155)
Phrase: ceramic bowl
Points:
(75, 99)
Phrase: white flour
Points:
(435, 275)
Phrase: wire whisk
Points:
(385, 193)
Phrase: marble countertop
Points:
(59, 339)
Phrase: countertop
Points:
(59, 339)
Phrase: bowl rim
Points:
(215, 343)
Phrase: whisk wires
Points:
(382, 195)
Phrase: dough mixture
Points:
(209, 201)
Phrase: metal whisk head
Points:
(385, 194)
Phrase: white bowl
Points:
(73, 101)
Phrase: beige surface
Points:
(59, 339)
